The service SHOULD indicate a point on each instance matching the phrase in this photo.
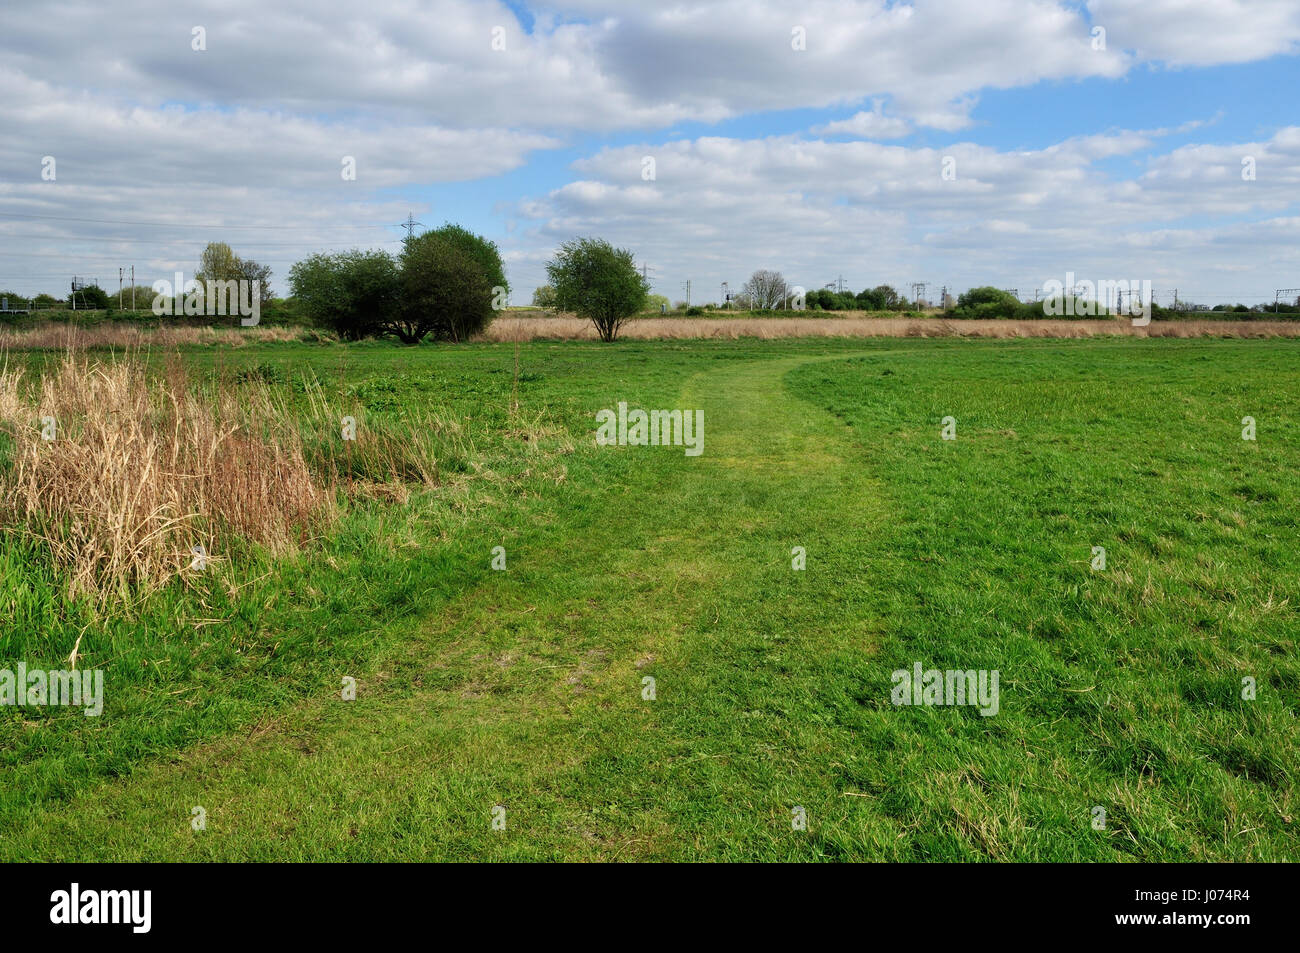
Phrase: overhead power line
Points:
(176, 241)
(105, 221)
(51, 256)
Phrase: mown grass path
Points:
(527, 693)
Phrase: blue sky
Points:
(812, 142)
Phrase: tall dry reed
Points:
(122, 474)
(55, 334)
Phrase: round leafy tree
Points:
(599, 282)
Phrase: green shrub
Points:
(544, 298)
(987, 303)
(880, 298)
(353, 292)
(446, 292)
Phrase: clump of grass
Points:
(265, 372)
(385, 453)
(142, 469)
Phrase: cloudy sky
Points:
(955, 142)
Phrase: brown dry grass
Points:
(54, 334)
(571, 328)
(141, 470)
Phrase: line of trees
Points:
(768, 291)
(446, 283)
(217, 262)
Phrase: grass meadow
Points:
(520, 695)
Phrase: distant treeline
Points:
(357, 294)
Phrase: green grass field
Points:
(1120, 688)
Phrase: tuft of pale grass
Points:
(140, 470)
